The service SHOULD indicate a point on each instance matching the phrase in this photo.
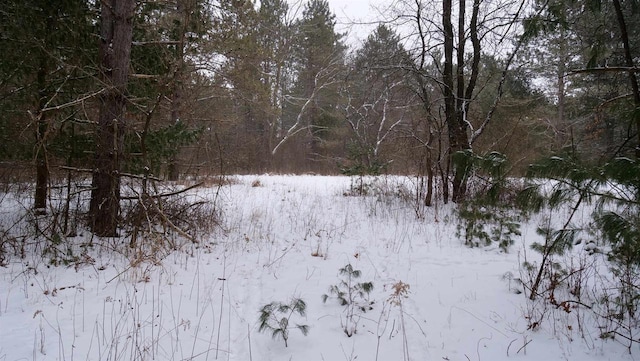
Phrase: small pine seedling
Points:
(351, 294)
(348, 292)
(276, 316)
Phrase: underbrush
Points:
(580, 272)
(153, 223)
(385, 194)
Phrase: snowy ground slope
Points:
(285, 238)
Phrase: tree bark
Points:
(42, 168)
(116, 33)
(455, 103)
(42, 126)
(178, 83)
(624, 36)
(447, 81)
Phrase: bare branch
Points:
(74, 102)
(607, 69)
(144, 76)
(170, 194)
(159, 42)
(326, 73)
(503, 78)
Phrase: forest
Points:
(114, 113)
(176, 89)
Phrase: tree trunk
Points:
(115, 53)
(447, 80)
(624, 36)
(428, 199)
(42, 126)
(42, 167)
(454, 103)
(178, 84)
(457, 100)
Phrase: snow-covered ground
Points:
(283, 239)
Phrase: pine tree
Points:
(319, 62)
(116, 34)
(43, 71)
(379, 100)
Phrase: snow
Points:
(287, 238)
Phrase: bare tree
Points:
(379, 101)
(324, 79)
(453, 46)
(629, 62)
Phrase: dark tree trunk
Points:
(428, 198)
(178, 80)
(624, 36)
(42, 168)
(451, 102)
(115, 53)
(42, 126)
(457, 100)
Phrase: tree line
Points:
(183, 88)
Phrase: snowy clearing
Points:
(287, 237)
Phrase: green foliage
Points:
(362, 161)
(276, 318)
(614, 189)
(47, 50)
(160, 146)
(348, 292)
(622, 232)
(489, 217)
(377, 91)
(483, 226)
(353, 295)
(73, 143)
(318, 62)
(617, 220)
(557, 241)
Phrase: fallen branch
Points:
(162, 195)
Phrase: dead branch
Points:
(606, 69)
(159, 42)
(163, 195)
(74, 102)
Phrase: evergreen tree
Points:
(44, 69)
(116, 32)
(238, 28)
(319, 62)
(167, 37)
(275, 38)
(379, 100)
(583, 43)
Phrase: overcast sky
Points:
(351, 14)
